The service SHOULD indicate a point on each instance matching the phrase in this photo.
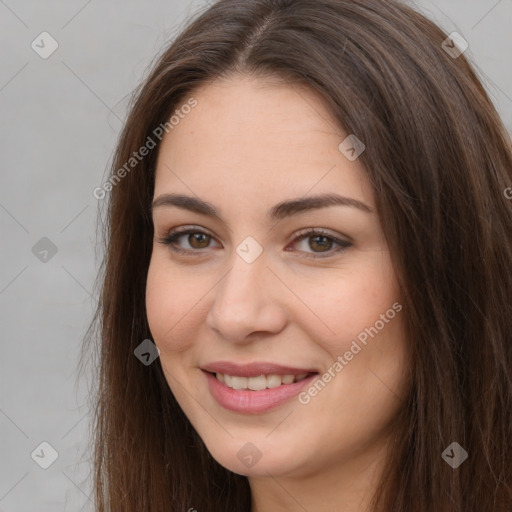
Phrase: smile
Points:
(259, 383)
(255, 393)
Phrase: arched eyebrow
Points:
(280, 211)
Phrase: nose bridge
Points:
(245, 299)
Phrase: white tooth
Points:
(238, 382)
(257, 383)
(273, 381)
(287, 379)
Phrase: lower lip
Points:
(254, 402)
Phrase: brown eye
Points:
(320, 243)
(199, 240)
(196, 241)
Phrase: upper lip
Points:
(254, 369)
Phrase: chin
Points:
(258, 458)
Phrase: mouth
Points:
(260, 382)
(256, 394)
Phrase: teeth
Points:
(239, 382)
(273, 381)
(259, 383)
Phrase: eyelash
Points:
(172, 236)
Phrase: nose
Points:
(248, 300)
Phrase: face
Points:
(277, 317)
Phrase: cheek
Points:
(170, 307)
(341, 308)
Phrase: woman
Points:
(306, 299)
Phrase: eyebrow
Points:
(277, 212)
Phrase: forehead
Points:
(250, 138)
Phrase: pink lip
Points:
(254, 369)
(254, 402)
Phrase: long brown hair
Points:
(439, 160)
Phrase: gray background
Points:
(60, 118)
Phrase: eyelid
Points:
(324, 231)
(189, 228)
(311, 232)
(304, 233)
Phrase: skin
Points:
(249, 144)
